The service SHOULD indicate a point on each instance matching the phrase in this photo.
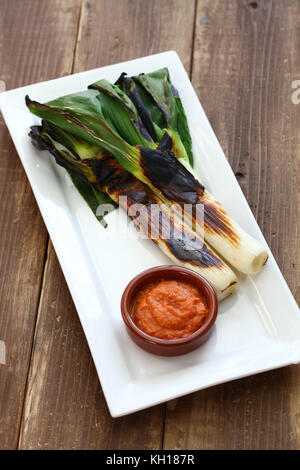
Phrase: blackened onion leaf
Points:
(182, 246)
(81, 114)
(49, 137)
(122, 114)
(162, 100)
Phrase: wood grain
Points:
(245, 60)
(115, 31)
(64, 405)
(244, 63)
(36, 40)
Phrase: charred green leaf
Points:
(79, 172)
(163, 103)
(122, 113)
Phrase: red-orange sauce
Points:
(169, 309)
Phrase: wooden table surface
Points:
(242, 57)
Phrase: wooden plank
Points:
(36, 43)
(114, 31)
(245, 60)
(64, 405)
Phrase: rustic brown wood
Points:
(245, 60)
(115, 31)
(64, 406)
(36, 43)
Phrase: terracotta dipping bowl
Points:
(168, 347)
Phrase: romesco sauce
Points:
(169, 309)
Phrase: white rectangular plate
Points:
(256, 330)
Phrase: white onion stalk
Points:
(183, 247)
(163, 173)
(174, 184)
(155, 219)
(240, 249)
